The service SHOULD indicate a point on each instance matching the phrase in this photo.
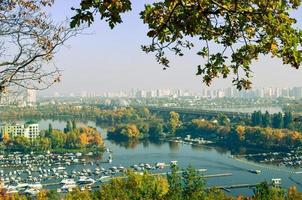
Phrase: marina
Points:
(64, 172)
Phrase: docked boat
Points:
(68, 188)
(61, 168)
(160, 165)
(104, 178)
(32, 191)
(68, 182)
(36, 186)
(255, 171)
(85, 180)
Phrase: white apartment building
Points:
(28, 130)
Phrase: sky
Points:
(104, 60)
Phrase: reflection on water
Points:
(214, 159)
(174, 146)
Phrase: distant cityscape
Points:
(29, 97)
(22, 98)
(294, 92)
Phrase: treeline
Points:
(80, 112)
(235, 135)
(189, 185)
(152, 128)
(276, 120)
(72, 138)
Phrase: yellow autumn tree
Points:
(83, 140)
(5, 137)
(240, 130)
(131, 131)
(97, 139)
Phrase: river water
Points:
(215, 160)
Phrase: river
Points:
(215, 160)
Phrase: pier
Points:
(154, 174)
(235, 186)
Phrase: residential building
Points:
(28, 130)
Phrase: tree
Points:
(264, 192)
(49, 128)
(277, 120)
(193, 185)
(135, 186)
(175, 184)
(74, 124)
(242, 29)
(287, 119)
(131, 131)
(29, 41)
(223, 119)
(293, 194)
(98, 141)
(5, 137)
(240, 130)
(256, 118)
(174, 122)
(156, 129)
(57, 139)
(266, 119)
(68, 127)
(83, 140)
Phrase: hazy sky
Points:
(111, 60)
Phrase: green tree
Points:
(277, 120)
(287, 119)
(175, 184)
(49, 128)
(265, 192)
(256, 118)
(223, 119)
(246, 29)
(156, 129)
(74, 125)
(266, 119)
(193, 184)
(135, 186)
(68, 127)
(58, 139)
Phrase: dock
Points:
(154, 174)
(235, 186)
(217, 175)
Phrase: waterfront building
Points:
(28, 130)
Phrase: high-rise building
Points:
(31, 96)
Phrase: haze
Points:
(111, 60)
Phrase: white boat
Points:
(255, 171)
(36, 185)
(86, 180)
(68, 182)
(104, 178)
(21, 186)
(202, 170)
(61, 168)
(173, 162)
(69, 187)
(32, 191)
(160, 165)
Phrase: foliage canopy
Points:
(242, 29)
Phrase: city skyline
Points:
(262, 92)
